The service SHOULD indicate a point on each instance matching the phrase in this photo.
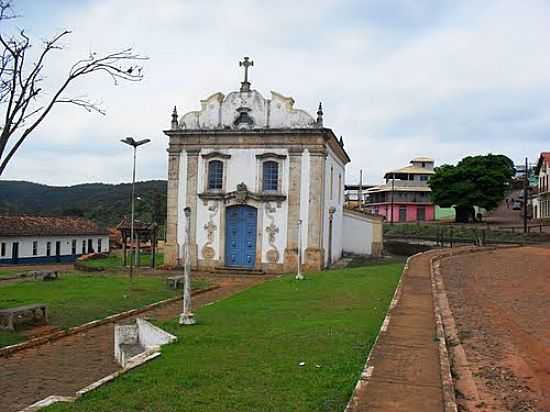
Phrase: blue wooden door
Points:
(240, 236)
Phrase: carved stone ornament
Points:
(272, 255)
(208, 252)
(272, 230)
(242, 193)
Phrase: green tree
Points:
(475, 181)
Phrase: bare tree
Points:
(24, 103)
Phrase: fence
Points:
(449, 235)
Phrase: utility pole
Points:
(525, 188)
(392, 189)
(361, 189)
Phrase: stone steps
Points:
(236, 271)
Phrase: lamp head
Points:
(132, 142)
(187, 211)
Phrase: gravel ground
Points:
(501, 305)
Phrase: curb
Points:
(447, 384)
(368, 370)
(9, 350)
(445, 328)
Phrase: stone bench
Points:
(44, 274)
(9, 315)
(174, 281)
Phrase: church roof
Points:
(247, 110)
(247, 113)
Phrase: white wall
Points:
(336, 201)
(242, 167)
(359, 234)
(26, 245)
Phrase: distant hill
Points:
(104, 203)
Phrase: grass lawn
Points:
(244, 353)
(75, 299)
(7, 272)
(113, 261)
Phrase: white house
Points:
(250, 169)
(38, 239)
(541, 201)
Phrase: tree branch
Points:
(18, 87)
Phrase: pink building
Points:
(405, 196)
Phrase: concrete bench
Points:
(174, 281)
(9, 315)
(45, 274)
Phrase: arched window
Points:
(270, 176)
(215, 175)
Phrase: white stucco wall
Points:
(358, 234)
(336, 201)
(241, 167)
(26, 245)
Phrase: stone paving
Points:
(406, 369)
(69, 364)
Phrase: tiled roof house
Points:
(45, 239)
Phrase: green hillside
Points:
(104, 203)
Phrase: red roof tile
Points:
(44, 226)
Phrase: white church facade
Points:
(254, 172)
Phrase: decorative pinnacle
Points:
(246, 63)
(174, 119)
(320, 115)
(341, 141)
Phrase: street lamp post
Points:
(186, 317)
(130, 141)
(299, 275)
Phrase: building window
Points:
(215, 175)
(424, 178)
(35, 247)
(270, 176)
(73, 247)
(3, 249)
(48, 248)
(83, 247)
(98, 245)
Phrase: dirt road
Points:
(501, 305)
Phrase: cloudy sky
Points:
(397, 79)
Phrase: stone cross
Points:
(272, 230)
(210, 229)
(246, 63)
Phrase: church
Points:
(262, 180)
